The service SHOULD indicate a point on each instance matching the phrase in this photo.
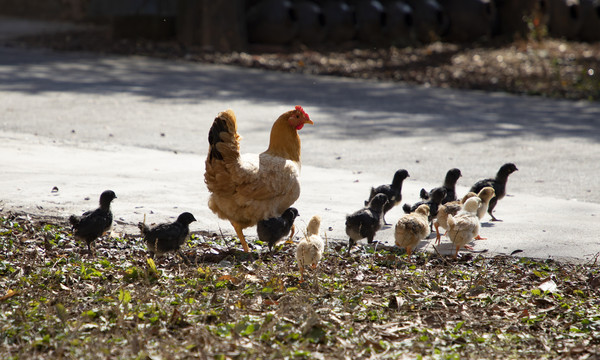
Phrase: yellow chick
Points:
(464, 227)
(441, 219)
(310, 249)
(467, 197)
(412, 228)
(453, 207)
(486, 194)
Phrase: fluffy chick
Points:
(434, 202)
(310, 249)
(441, 220)
(412, 228)
(486, 194)
(453, 207)
(365, 222)
(499, 185)
(393, 191)
(450, 181)
(464, 227)
(272, 230)
(94, 223)
(167, 237)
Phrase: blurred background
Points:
(537, 47)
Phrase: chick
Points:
(412, 228)
(468, 195)
(393, 191)
(499, 185)
(486, 194)
(434, 202)
(167, 237)
(310, 249)
(453, 207)
(93, 224)
(272, 230)
(365, 222)
(449, 184)
(441, 220)
(464, 227)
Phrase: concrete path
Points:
(85, 123)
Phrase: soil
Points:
(536, 66)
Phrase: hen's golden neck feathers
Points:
(285, 141)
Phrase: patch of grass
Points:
(57, 301)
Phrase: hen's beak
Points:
(308, 121)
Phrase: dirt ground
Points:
(58, 301)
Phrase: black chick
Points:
(272, 230)
(499, 185)
(435, 200)
(450, 181)
(167, 237)
(366, 222)
(393, 191)
(92, 224)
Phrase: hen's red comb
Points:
(299, 108)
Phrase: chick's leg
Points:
(292, 233)
(240, 234)
(438, 237)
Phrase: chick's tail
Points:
(406, 208)
(143, 228)
(74, 220)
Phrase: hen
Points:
(393, 191)
(272, 230)
(449, 184)
(93, 224)
(247, 189)
(310, 249)
(365, 222)
(464, 227)
(412, 228)
(499, 185)
(167, 237)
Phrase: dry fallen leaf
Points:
(10, 293)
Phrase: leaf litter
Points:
(56, 301)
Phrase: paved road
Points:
(85, 123)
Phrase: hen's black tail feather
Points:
(214, 137)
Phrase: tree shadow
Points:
(354, 108)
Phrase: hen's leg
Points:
(240, 234)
